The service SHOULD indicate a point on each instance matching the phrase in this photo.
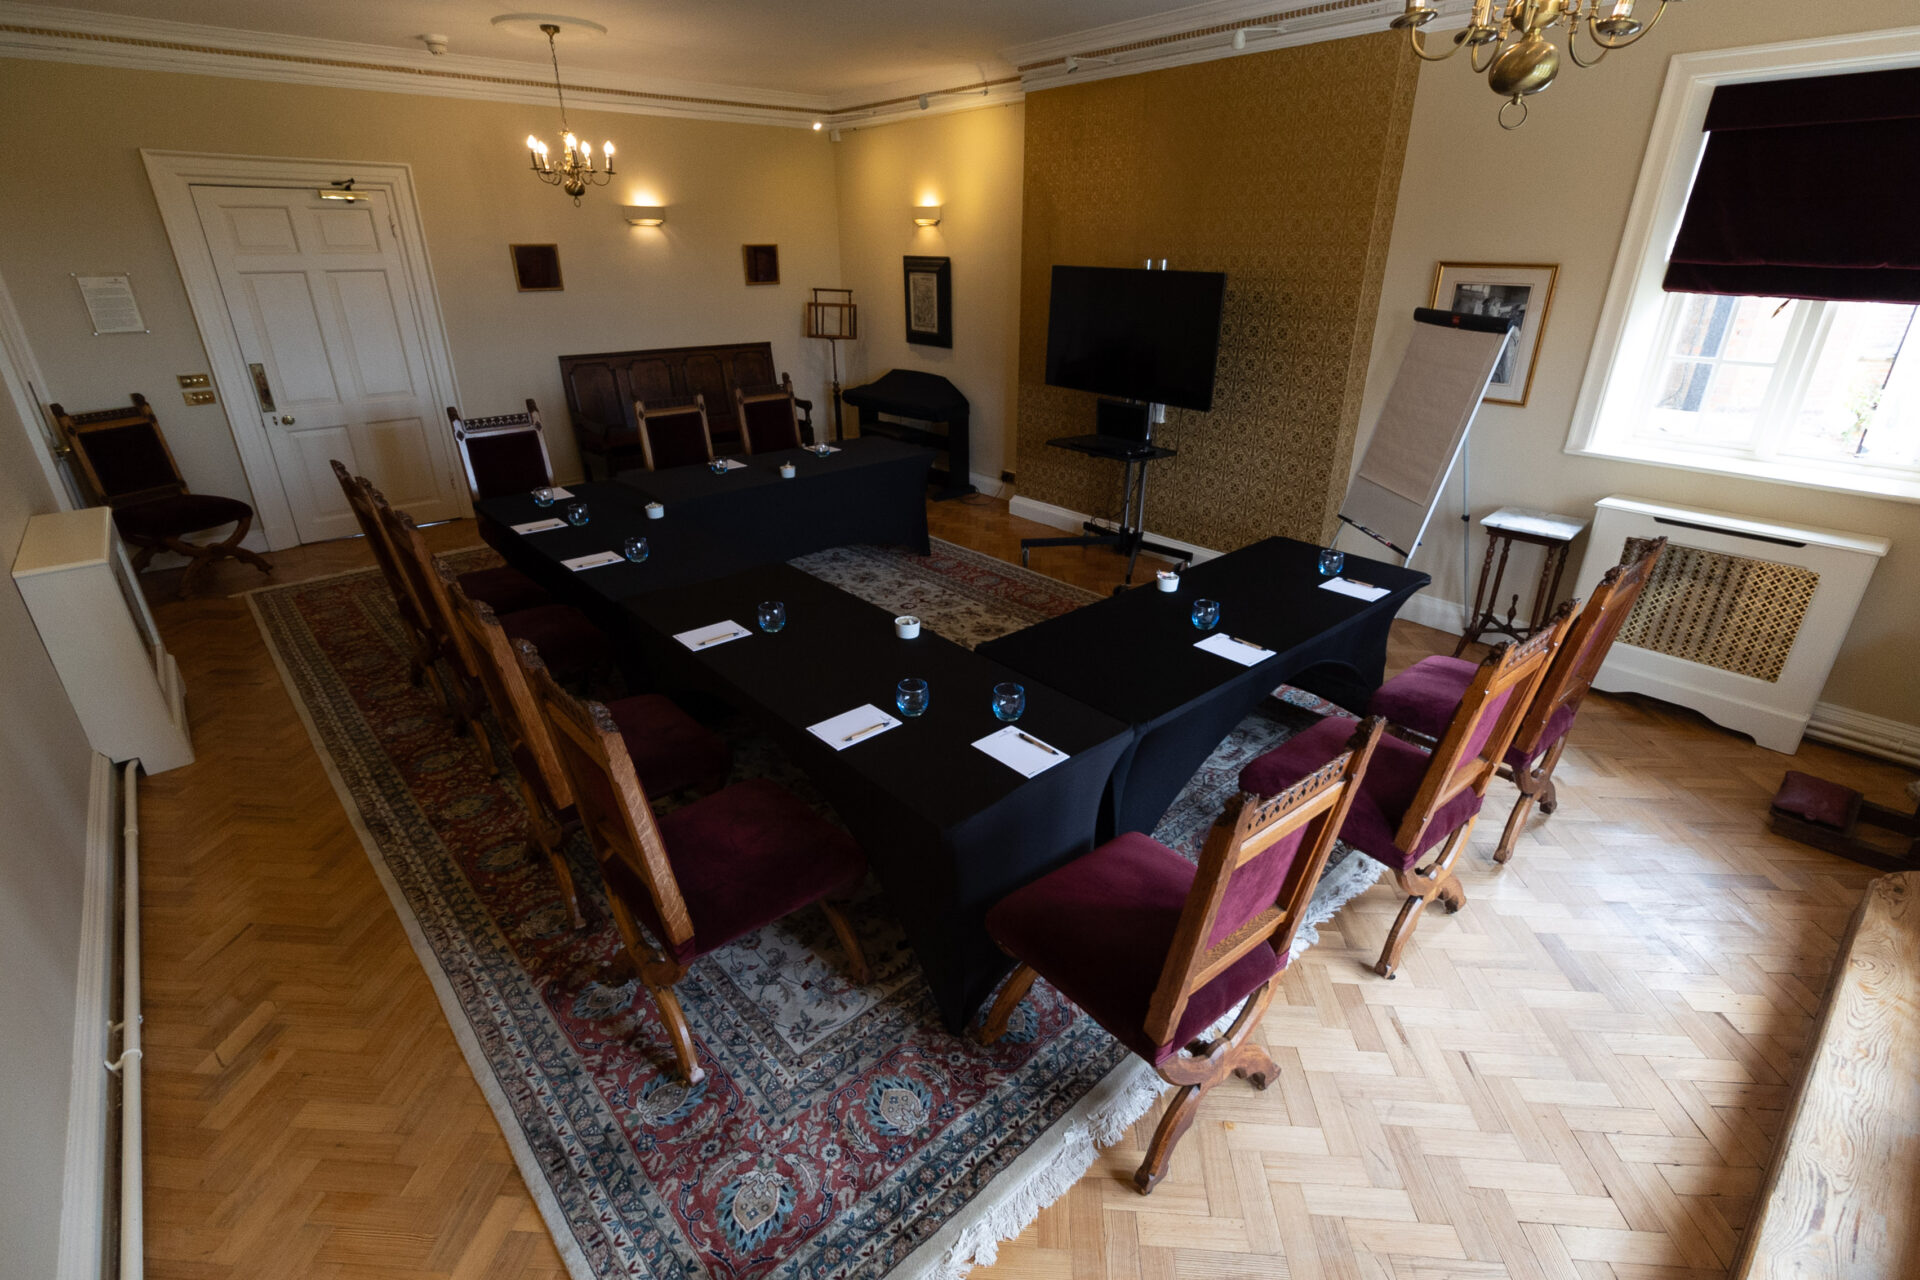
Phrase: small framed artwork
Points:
(536, 267)
(929, 301)
(763, 263)
(1522, 292)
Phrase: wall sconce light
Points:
(927, 215)
(644, 215)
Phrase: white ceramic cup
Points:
(1167, 580)
(786, 471)
(655, 511)
(906, 626)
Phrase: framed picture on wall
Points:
(1522, 292)
(929, 301)
(536, 267)
(762, 263)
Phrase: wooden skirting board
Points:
(1841, 1198)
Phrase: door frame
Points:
(173, 175)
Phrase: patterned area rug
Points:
(841, 1131)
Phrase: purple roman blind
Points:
(1808, 189)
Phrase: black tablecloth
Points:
(1132, 657)
(948, 830)
(872, 491)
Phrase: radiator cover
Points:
(1742, 618)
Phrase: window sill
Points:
(1800, 472)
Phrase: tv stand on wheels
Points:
(1131, 536)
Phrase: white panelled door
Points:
(323, 305)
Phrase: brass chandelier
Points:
(1519, 59)
(574, 172)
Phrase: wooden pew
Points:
(1842, 1196)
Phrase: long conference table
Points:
(948, 829)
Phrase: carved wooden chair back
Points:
(124, 459)
(674, 432)
(768, 416)
(1257, 871)
(360, 502)
(609, 799)
(504, 682)
(503, 454)
(1469, 753)
(422, 574)
(1578, 660)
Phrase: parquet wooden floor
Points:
(1575, 1078)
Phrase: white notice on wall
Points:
(110, 302)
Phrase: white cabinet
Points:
(72, 571)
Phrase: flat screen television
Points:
(1135, 334)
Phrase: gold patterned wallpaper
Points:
(1280, 169)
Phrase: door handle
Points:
(286, 419)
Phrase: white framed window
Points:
(1823, 394)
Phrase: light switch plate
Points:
(198, 397)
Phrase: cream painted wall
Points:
(627, 287)
(44, 767)
(970, 162)
(1557, 190)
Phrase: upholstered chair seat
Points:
(504, 589)
(744, 857)
(1422, 698)
(1386, 793)
(1100, 929)
(565, 637)
(671, 751)
(179, 514)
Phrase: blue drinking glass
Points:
(1332, 562)
(773, 615)
(543, 496)
(1206, 614)
(912, 696)
(577, 514)
(1009, 701)
(636, 550)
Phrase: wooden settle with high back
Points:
(603, 386)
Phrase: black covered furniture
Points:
(601, 388)
(1131, 537)
(125, 463)
(1132, 656)
(924, 397)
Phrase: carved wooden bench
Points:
(1842, 1196)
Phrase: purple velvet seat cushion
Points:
(507, 462)
(744, 857)
(669, 748)
(1424, 697)
(1099, 929)
(568, 642)
(179, 513)
(504, 590)
(1386, 792)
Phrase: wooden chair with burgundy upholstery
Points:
(1413, 801)
(1157, 951)
(1420, 699)
(503, 454)
(701, 876)
(569, 639)
(125, 463)
(671, 750)
(768, 417)
(412, 612)
(674, 432)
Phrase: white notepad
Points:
(708, 637)
(1348, 587)
(562, 493)
(851, 728)
(728, 464)
(1020, 751)
(1247, 655)
(594, 561)
(538, 526)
